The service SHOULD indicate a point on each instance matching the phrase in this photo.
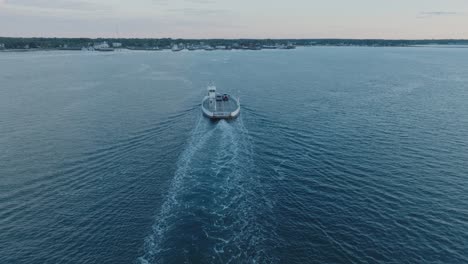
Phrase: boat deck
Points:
(224, 109)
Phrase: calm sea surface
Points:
(340, 155)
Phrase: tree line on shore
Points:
(56, 43)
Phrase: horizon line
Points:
(179, 38)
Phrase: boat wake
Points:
(211, 211)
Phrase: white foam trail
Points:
(237, 234)
(199, 137)
(227, 220)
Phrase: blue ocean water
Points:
(340, 155)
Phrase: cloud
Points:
(184, 2)
(78, 5)
(440, 13)
(199, 11)
(423, 15)
(161, 2)
(426, 15)
(201, 1)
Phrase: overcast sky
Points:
(236, 18)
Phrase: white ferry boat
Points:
(220, 106)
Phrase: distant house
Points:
(2, 46)
(178, 47)
(102, 45)
(26, 46)
(116, 44)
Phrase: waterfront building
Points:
(102, 45)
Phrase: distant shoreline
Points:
(106, 44)
(185, 50)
